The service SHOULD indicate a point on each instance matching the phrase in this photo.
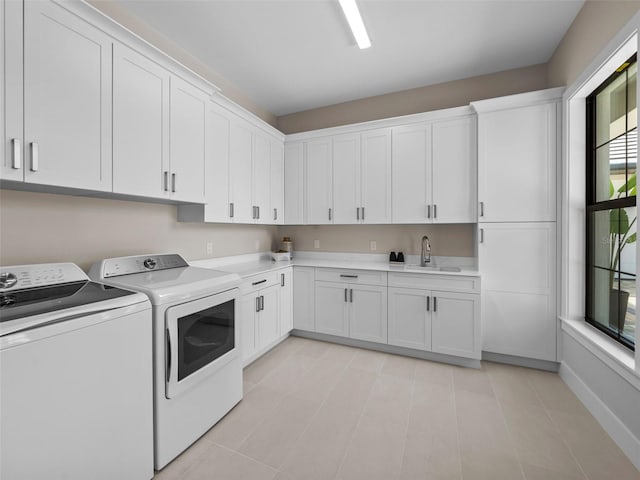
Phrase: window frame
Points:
(592, 205)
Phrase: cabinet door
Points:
(304, 298)
(346, 179)
(517, 164)
(518, 296)
(455, 324)
(188, 132)
(248, 312)
(267, 324)
(261, 178)
(294, 184)
(375, 176)
(276, 210)
(11, 92)
(140, 125)
(285, 302)
(454, 177)
(67, 99)
(368, 315)
(411, 170)
(318, 193)
(410, 318)
(332, 308)
(217, 165)
(240, 175)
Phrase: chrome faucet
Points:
(425, 256)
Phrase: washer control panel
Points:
(115, 267)
(28, 276)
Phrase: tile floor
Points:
(314, 410)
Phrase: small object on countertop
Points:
(280, 256)
(400, 257)
(392, 257)
(287, 245)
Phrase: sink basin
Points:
(432, 268)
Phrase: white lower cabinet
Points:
(285, 301)
(304, 298)
(331, 309)
(410, 318)
(260, 315)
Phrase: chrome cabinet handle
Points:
(16, 149)
(257, 304)
(363, 214)
(275, 213)
(435, 304)
(231, 210)
(351, 295)
(258, 212)
(261, 302)
(428, 301)
(482, 235)
(166, 181)
(282, 279)
(358, 213)
(428, 211)
(344, 275)
(482, 209)
(173, 182)
(329, 214)
(35, 163)
(259, 282)
(345, 294)
(435, 211)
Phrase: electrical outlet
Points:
(209, 248)
(257, 245)
(316, 244)
(373, 245)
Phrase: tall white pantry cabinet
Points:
(517, 171)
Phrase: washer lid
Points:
(176, 285)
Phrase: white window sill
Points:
(615, 356)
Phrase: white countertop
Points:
(254, 264)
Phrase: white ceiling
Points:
(294, 55)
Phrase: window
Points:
(611, 152)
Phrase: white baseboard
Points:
(617, 430)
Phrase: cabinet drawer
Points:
(449, 283)
(258, 282)
(365, 277)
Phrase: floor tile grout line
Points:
(455, 409)
(506, 424)
(246, 456)
(406, 429)
(364, 406)
(555, 424)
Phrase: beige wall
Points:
(446, 240)
(117, 13)
(41, 228)
(594, 26)
(417, 100)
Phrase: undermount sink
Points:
(432, 268)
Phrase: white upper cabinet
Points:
(454, 171)
(188, 132)
(318, 182)
(261, 179)
(140, 125)
(294, 183)
(240, 172)
(67, 99)
(276, 196)
(517, 153)
(411, 171)
(217, 165)
(11, 92)
(346, 178)
(434, 172)
(375, 176)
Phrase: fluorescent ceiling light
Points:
(350, 10)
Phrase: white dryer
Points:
(197, 361)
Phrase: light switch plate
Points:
(316, 244)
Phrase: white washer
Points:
(197, 361)
(75, 377)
